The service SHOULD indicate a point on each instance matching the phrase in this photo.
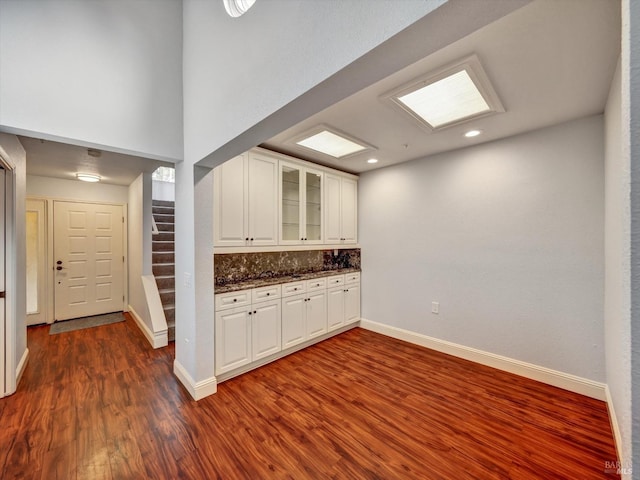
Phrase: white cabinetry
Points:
(304, 313)
(343, 300)
(247, 327)
(341, 210)
(300, 204)
(246, 201)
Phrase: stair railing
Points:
(154, 227)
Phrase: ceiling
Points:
(549, 62)
(61, 160)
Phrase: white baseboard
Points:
(156, 339)
(615, 427)
(197, 390)
(22, 365)
(558, 379)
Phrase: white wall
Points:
(507, 236)
(617, 268)
(103, 73)
(139, 244)
(61, 189)
(17, 297)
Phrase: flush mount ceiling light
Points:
(88, 177)
(372, 160)
(450, 96)
(329, 141)
(235, 8)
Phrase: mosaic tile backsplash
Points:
(241, 267)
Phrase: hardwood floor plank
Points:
(101, 404)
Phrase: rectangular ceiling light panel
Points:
(446, 101)
(332, 144)
(448, 97)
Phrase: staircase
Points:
(163, 258)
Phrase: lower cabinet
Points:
(343, 301)
(258, 323)
(246, 333)
(304, 315)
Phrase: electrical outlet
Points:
(435, 307)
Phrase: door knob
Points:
(59, 262)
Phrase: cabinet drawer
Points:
(233, 299)
(317, 284)
(265, 293)
(293, 288)
(352, 277)
(335, 280)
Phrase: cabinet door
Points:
(265, 329)
(349, 210)
(352, 303)
(313, 206)
(332, 209)
(335, 307)
(293, 320)
(291, 211)
(263, 200)
(231, 203)
(316, 314)
(233, 339)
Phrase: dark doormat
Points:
(86, 322)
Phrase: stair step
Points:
(163, 203)
(162, 210)
(167, 296)
(160, 246)
(163, 237)
(166, 282)
(170, 314)
(165, 227)
(162, 257)
(163, 269)
(164, 217)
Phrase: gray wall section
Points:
(507, 236)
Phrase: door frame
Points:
(49, 294)
(8, 337)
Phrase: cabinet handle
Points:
(301, 238)
(268, 294)
(295, 289)
(246, 239)
(254, 312)
(235, 299)
(252, 239)
(249, 313)
(317, 284)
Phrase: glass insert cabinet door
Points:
(300, 204)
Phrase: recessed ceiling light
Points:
(88, 177)
(235, 8)
(472, 133)
(332, 143)
(448, 97)
(372, 160)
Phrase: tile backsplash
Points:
(240, 267)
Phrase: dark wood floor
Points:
(101, 404)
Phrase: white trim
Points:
(615, 427)
(285, 248)
(558, 379)
(156, 339)
(22, 365)
(197, 390)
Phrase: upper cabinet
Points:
(341, 210)
(300, 204)
(246, 201)
(267, 199)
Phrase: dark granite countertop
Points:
(264, 282)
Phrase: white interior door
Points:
(88, 259)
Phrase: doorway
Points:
(88, 257)
(2, 281)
